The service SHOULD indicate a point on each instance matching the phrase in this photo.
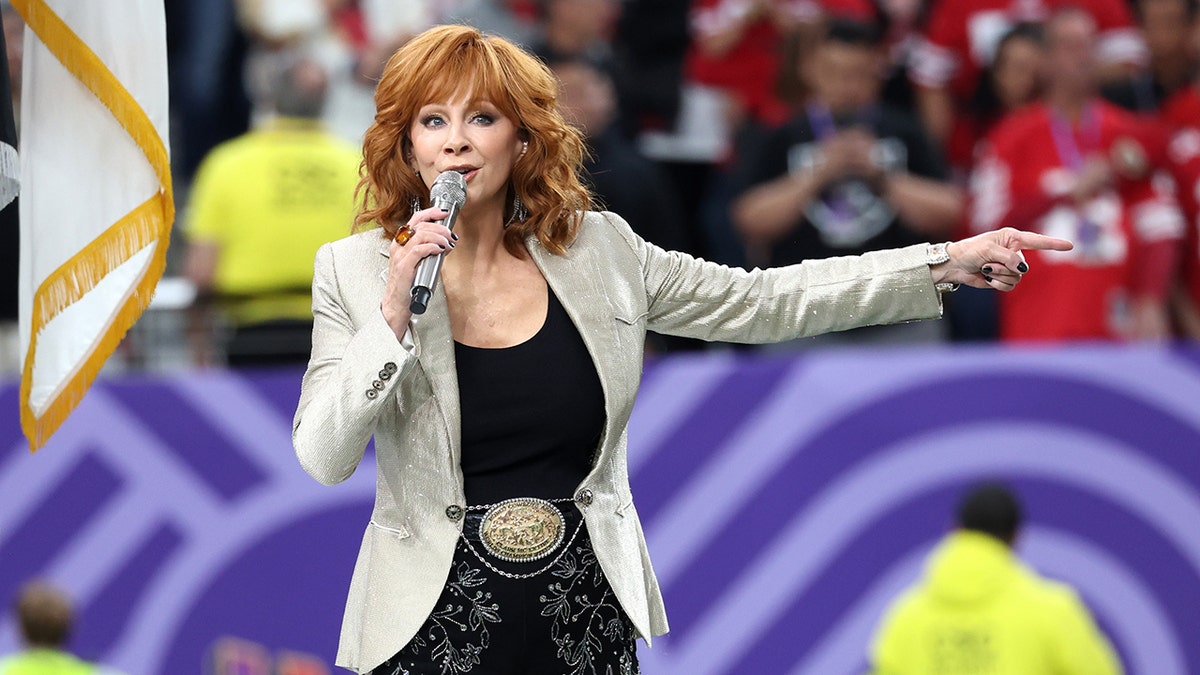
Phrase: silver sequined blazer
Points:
(361, 382)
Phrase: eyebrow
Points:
(472, 103)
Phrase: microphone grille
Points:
(449, 186)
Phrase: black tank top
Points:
(532, 414)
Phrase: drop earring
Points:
(415, 205)
(519, 212)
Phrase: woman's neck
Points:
(480, 239)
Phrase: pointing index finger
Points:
(1030, 240)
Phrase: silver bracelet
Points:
(936, 254)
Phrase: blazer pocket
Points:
(398, 531)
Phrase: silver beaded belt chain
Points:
(522, 530)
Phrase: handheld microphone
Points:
(449, 192)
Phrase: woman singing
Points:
(504, 537)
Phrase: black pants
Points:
(565, 620)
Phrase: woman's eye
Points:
(431, 121)
(483, 118)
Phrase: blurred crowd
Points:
(749, 132)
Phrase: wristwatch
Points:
(937, 254)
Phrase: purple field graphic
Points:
(786, 500)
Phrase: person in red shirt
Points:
(1181, 115)
(1182, 110)
(1184, 154)
(736, 46)
(1011, 81)
(1073, 165)
(960, 40)
(1169, 30)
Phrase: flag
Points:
(10, 175)
(96, 205)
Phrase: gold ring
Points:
(404, 234)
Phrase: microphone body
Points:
(449, 192)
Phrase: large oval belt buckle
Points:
(522, 529)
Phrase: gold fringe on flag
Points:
(149, 223)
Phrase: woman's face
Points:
(1016, 72)
(469, 136)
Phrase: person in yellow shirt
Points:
(980, 611)
(259, 208)
(45, 616)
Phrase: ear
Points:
(405, 150)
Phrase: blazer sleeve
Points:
(694, 298)
(351, 376)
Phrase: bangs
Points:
(470, 68)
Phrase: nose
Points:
(456, 141)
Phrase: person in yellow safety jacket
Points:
(45, 662)
(45, 617)
(980, 611)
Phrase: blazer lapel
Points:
(435, 354)
(576, 279)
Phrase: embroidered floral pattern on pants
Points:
(565, 620)
(586, 617)
(445, 637)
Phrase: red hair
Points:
(449, 60)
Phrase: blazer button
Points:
(377, 385)
(454, 512)
(385, 375)
(584, 497)
(371, 394)
(389, 368)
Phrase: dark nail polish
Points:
(445, 210)
(989, 279)
(451, 244)
(987, 269)
(454, 236)
(1022, 267)
(441, 247)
